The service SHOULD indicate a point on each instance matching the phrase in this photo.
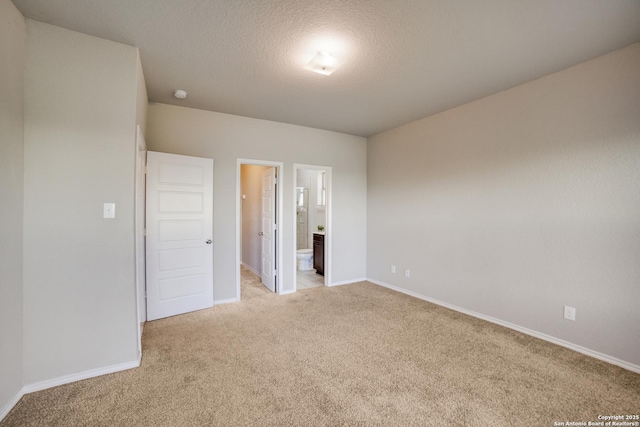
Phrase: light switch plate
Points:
(569, 313)
(109, 210)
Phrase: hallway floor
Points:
(251, 284)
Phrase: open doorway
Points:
(259, 214)
(312, 219)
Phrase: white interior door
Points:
(179, 234)
(269, 229)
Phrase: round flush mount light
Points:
(180, 94)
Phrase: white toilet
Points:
(305, 259)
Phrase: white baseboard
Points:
(10, 404)
(66, 379)
(290, 291)
(348, 282)
(225, 301)
(586, 351)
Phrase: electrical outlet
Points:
(393, 269)
(569, 313)
(407, 273)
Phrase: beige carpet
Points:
(352, 355)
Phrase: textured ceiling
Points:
(403, 59)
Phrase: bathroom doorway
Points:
(258, 235)
(312, 218)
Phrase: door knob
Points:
(261, 234)
(208, 242)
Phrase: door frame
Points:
(279, 227)
(140, 239)
(328, 229)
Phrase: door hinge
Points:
(144, 232)
(145, 170)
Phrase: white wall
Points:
(12, 58)
(519, 203)
(226, 137)
(79, 273)
(251, 187)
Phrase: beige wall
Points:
(226, 138)
(251, 189)
(12, 58)
(522, 202)
(79, 275)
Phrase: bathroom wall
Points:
(316, 215)
(251, 189)
(303, 180)
(302, 217)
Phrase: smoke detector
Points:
(180, 94)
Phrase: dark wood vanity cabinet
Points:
(318, 253)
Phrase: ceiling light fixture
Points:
(323, 63)
(180, 94)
